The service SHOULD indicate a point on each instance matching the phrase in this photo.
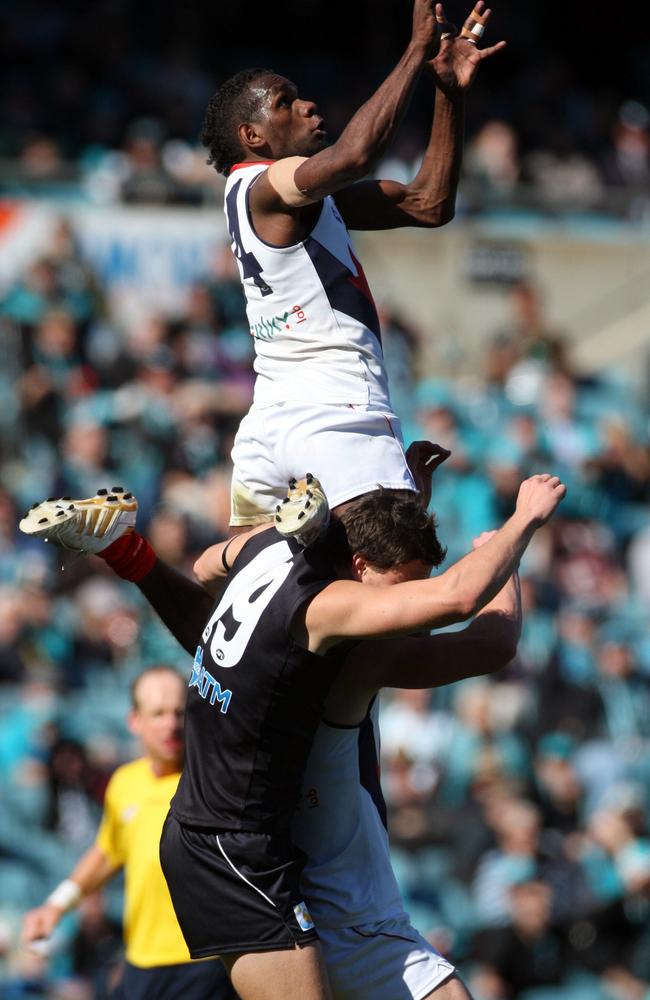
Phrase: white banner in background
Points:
(146, 258)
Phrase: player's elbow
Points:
(459, 599)
(427, 210)
(200, 570)
(465, 604)
(497, 639)
(501, 651)
(445, 215)
(438, 214)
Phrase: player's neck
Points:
(252, 161)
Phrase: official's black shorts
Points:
(234, 891)
(191, 981)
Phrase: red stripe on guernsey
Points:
(361, 282)
(10, 212)
(251, 163)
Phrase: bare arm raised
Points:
(346, 609)
(429, 661)
(294, 182)
(429, 199)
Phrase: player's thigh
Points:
(452, 989)
(292, 974)
(258, 483)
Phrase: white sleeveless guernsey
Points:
(309, 308)
(340, 824)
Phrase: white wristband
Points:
(66, 895)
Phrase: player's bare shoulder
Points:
(281, 214)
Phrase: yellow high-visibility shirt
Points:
(135, 808)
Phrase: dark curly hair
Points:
(231, 106)
(387, 527)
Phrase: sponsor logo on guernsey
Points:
(303, 917)
(207, 685)
(267, 327)
(129, 812)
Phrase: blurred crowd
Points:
(104, 101)
(519, 804)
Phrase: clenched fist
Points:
(538, 497)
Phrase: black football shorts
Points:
(234, 891)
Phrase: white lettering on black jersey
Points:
(238, 612)
(255, 697)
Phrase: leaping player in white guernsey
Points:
(290, 199)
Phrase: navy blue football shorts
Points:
(189, 980)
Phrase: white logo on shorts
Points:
(303, 917)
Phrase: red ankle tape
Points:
(130, 556)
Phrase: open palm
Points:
(455, 65)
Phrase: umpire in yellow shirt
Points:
(158, 965)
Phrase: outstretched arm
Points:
(347, 609)
(182, 605)
(295, 182)
(431, 661)
(485, 646)
(429, 200)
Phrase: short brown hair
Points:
(388, 528)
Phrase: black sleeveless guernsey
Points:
(255, 697)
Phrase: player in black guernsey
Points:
(269, 653)
(255, 867)
(255, 699)
(269, 649)
(253, 707)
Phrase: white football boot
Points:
(82, 525)
(304, 513)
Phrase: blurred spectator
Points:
(627, 162)
(75, 792)
(529, 952)
(559, 791)
(145, 178)
(522, 853)
(563, 176)
(492, 161)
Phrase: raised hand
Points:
(424, 24)
(539, 496)
(458, 58)
(423, 458)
